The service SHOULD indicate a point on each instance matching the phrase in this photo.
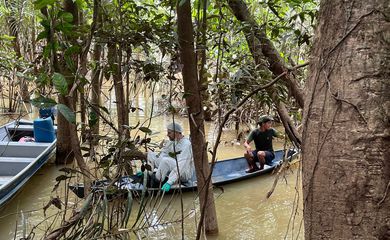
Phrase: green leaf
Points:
(104, 109)
(174, 154)
(60, 83)
(66, 28)
(92, 118)
(145, 130)
(42, 35)
(43, 3)
(86, 154)
(187, 94)
(7, 37)
(43, 102)
(297, 32)
(46, 51)
(70, 63)
(43, 79)
(67, 17)
(302, 16)
(83, 82)
(182, 2)
(171, 109)
(85, 148)
(75, 49)
(45, 23)
(275, 32)
(69, 53)
(81, 3)
(67, 113)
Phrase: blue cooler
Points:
(44, 130)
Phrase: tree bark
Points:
(289, 127)
(346, 134)
(83, 70)
(260, 60)
(96, 72)
(275, 62)
(201, 58)
(96, 89)
(64, 153)
(115, 60)
(196, 119)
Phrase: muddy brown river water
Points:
(243, 210)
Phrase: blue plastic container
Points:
(44, 130)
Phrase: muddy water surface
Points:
(243, 210)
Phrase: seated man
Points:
(177, 148)
(262, 136)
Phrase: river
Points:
(243, 211)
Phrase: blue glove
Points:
(139, 174)
(166, 187)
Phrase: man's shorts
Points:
(269, 156)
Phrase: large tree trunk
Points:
(346, 134)
(196, 119)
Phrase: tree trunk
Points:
(196, 120)
(96, 90)
(114, 60)
(14, 32)
(346, 134)
(288, 124)
(260, 60)
(95, 77)
(201, 57)
(83, 70)
(64, 152)
(275, 62)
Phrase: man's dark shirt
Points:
(263, 140)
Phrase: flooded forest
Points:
(276, 115)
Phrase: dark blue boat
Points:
(19, 160)
(225, 171)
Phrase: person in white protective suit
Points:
(177, 148)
